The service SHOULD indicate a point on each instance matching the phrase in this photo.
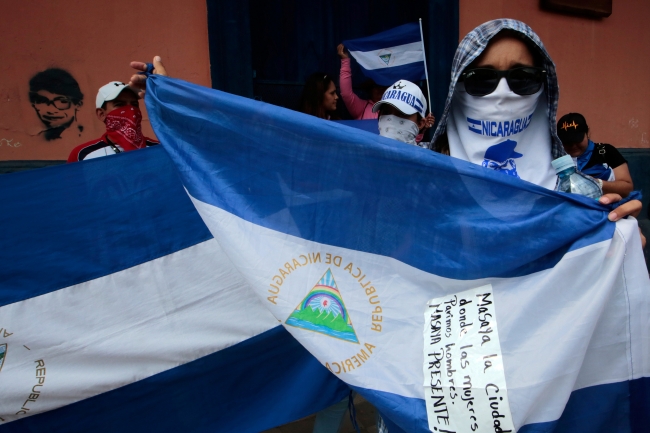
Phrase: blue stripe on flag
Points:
(404, 34)
(68, 224)
(365, 192)
(256, 385)
(640, 404)
(388, 76)
(369, 125)
(413, 413)
(601, 408)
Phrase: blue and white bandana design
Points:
(496, 129)
(491, 128)
(501, 157)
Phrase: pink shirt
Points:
(359, 108)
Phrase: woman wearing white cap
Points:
(402, 112)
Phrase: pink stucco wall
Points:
(94, 42)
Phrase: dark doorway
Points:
(266, 49)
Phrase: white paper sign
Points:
(465, 386)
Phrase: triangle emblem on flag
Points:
(385, 58)
(323, 311)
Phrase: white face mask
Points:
(503, 131)
(398, 129)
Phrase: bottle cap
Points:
(562, 163)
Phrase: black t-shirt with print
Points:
(605, 154)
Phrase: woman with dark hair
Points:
(319, 96)
(56, 97)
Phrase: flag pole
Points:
(426, 73)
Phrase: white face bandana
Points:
(503, 131)
(398, 129)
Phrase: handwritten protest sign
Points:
(465, 387)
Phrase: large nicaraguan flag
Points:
(396, 54)
(452, 297)
(119, 312)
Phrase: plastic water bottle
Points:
(573, 181)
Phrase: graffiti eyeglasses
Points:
(60, 102)
(522, 81)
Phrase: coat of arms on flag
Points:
(385, 55)
(323, 310)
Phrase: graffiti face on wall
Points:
(56, 97)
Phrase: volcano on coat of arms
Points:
(323, 311)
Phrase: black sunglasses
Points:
(60, 102)
(523, 81)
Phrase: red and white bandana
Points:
(124, 128)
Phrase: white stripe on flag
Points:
(136, 323)
(390, 57)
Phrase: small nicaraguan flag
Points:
(474, 125)
(395, 54)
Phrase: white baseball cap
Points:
(406, 97)
(109, 92)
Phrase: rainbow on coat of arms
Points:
(323, 311)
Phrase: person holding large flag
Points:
(468, 50)
(422, 281)
(396, 226)
(502, 104)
